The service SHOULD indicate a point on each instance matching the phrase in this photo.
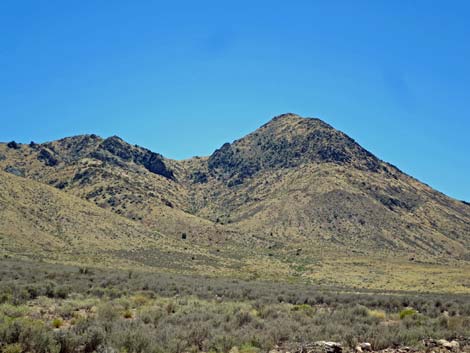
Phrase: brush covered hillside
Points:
(296, 199)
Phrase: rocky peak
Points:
(288, 141)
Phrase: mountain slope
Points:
(42, 223)
(295, 198)
(37, 219)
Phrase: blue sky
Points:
(183, 77)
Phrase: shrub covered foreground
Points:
(60, 309)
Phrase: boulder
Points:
(330, 347)
(364, 347)
(452, 345)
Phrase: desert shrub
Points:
(152, 315)
(20, 296)
(222, 343)
(87, 339)
(378, 314)
(12, 348)
(249, 348)
(170, 307)
(33, 336)
(127, 314)
(407, 312)
(360, 311)
(132, 337)
(14, 311)
(84, 270)
(304, 308)
(5, 297)
(67, 341)
(61, 292)
(198, 335)
(107, 313)
(242, 318)
(97, 292)
(57, 322)
(123, 302)
(140, 299)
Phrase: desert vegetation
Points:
(57, 308)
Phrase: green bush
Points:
(57, 322)
(12, 348)
(407, 312)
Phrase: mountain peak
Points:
(286, 116)
(290, 118)
(287, 141)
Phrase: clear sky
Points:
(183, 77)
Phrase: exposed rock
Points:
(85, 176)
(199, 177)
(61, 185)
(107, 157)
(152, 161)
(15, 171)
(105, 349)
(46, 156)
(364, 347)
(452, 345)
(329, 347)
(13, 145)
(117, 147)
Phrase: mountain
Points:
(301, 177)
(295, 198)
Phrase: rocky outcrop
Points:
(116, 147)
(13, 145)
(15, 171)
(47, 157)
(452, 345)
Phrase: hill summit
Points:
(288, 141)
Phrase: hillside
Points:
(296, 199)
(39, 222)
